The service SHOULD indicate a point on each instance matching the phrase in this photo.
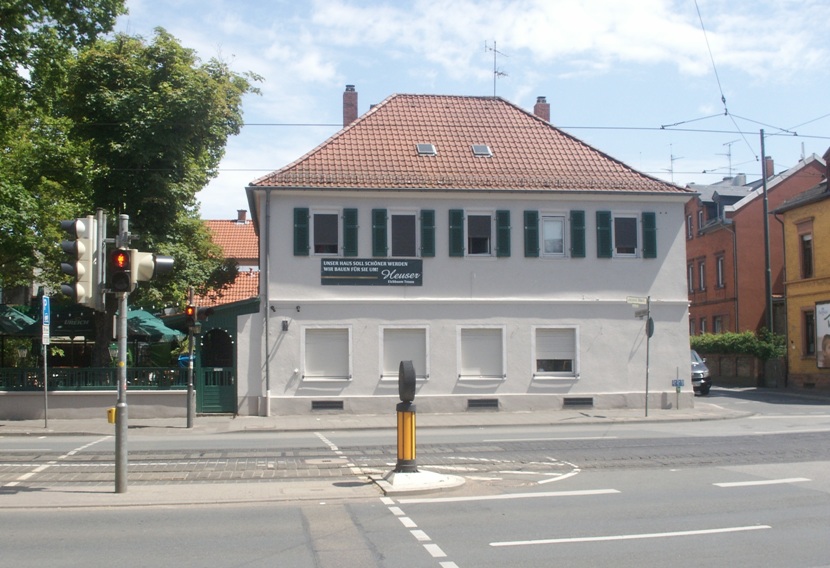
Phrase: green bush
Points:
(765, 345)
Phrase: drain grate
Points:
(477, 403)
(578, 401)
(326, 405)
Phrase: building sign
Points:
(823, 335)
(371, 272)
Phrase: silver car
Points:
(701, 383)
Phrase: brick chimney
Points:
(769, 167)
(241, 216)
(542, 109)
(349, 105)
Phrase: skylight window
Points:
(427, 150)
(482, 151)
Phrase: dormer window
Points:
(426, 149)
(482, 151)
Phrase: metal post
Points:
(768, 269)
(191, 391)
(121, 417)
(648, 343)
(45, 391)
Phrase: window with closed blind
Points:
(404, 344)
(327, 354)
(555, 352)
(481, 353)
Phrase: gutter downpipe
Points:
(768, 269)
(786, 310)
(267, 287)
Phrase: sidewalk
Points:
(328, 420)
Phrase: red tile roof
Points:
(237, 240)
(244, 287)
(378, 151)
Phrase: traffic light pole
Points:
(191, 393)
(123, 240)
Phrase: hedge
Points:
(765, 345)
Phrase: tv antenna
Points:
(729, 153)
(496, 72)
(673, 159)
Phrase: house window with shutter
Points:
(555, 352)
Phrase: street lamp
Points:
(22, 353)
(113, 349)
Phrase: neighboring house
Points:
(496, 252)
(725, 249)
(238, 242)
(806, 220)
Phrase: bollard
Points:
(406, 419)
(406, 439)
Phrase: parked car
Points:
(701, 382)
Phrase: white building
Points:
(472, 237)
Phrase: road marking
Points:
(42, 467)
(435, 551)
(785, 416)
(508, 496)
(629, 536)
(572, 439)
(762, 482)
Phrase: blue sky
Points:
(613, 71)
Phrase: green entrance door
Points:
(216, 388)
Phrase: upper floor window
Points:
(319, 232)
(806, 242)
(690, 277)
(701, 272)
(720, 268)
(326, 235)
(479, 234)
(618, 236)
(554, 234)
(700, 220)
(689, 228)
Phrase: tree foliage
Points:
(765, 345)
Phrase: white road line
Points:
(785, 416)
(629, 536)
(762, 482)
(572, 439)
(509, 496)
(435, 551)
(407, 522)
(42, 467)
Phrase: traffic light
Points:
(120, 264)
(147, 265)
(83, 253)
(190, 315)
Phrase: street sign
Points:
(641, 313)
(678, 382)
(636, 300)
(47, 317)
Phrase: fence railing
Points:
(92, 378)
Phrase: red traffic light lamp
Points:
(120, 270)
(190, 315)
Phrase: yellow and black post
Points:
(406, 419)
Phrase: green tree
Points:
(156, 121)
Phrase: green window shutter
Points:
(456, 232)
(649, 235)
(427, 233)
(577, 234)
(301, 231)
(503, 233)
(531, 233)
(604, 243)
(379, 247)
(349, 232)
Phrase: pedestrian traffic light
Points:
(120, 265)
(190, 315)
(145, 266)
(83, 254)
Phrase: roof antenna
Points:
(496, 72)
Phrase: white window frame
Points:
(614, 247)
(700, 219)
(462, 376)
(338, 231)
(554, 375)
(303, 354)
(557, 216)
(701, 273)
(389, 232)
(689, 228)
(720, 264)
(690, 276)
(421, 376)
(492, 239)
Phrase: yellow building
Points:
(806, 221)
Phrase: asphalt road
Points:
(746, 492)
